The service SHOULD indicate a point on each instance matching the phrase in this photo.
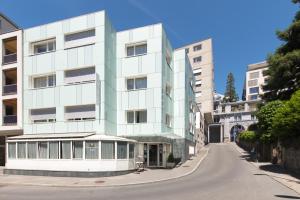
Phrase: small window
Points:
(197, 47)
(136, 83)
(121, 150)
(137, 116)
(80, 35)
(197, 59)
(136, 50)
(44, 46)
(254, 90)
(107, 150)
(21, 150)
(11, 150)
(91, 150)
(198, 83)
(253, 97)
(44, 81)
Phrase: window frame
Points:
(47, 81)
(45, 42)
(134, 45)
(134, 83)
(196, 59)
(135, 116)
(196, 47)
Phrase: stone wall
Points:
(291, 159)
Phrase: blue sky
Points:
(243, 32)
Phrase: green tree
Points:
(230, 93)
(265, 117)
(286, 121)
(284, 64)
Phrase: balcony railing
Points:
(9, 89)
(10, 58)
(10, 120)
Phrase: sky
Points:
(243, 32)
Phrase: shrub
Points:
(247, 136)
(171, 158)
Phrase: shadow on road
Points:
(279, 170)
(286, 197)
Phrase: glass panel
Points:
(42, 149)
(40, 48)
(31, 150)
(53, 150)
(141, 83)
(130, 117)
(121, 150)
(130, 84)
(80, 72)
(51, 46)
(131, 151)
(254, 75)
(78, 149)
(198, 47)
(141, 116)
(107, 150)
(253, 90)
(51, 80)
(40, 82)
(80, 35)
(141, 49)
(21, 149)
(65, 150)
(12, 150)
(130, 51)
(91, 150)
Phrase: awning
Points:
(50, 136)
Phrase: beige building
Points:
(255, 79)
(201, 58)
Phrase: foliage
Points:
(284, 64)
(265, 117)
(247, 136)
(230, 93)
(286, 121)
(253, 127)
(171, 158)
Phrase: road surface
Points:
(224, 175)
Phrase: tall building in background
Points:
(201, 58)
(11, 82)
(255, 79)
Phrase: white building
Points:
(96, 99)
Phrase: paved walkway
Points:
(276, 172)
(148, 176)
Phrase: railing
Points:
(10, 120)
(9, 89)
(10, 58)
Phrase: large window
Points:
(77, 149)
(42, 150)
(136, 49)
(44, 81)
(91, 150)
(136, 83)
(139, 116)
(87, 74)
(107, 150)
(31, 150)
(12, 150)
(21, 149)
(121, 150)
(53, 150)
(44, 46)
(65, 150)
(197, 59)
(253, 90)
(43, 115)
(81, 112)
(80, 35)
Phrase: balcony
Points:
(10, 51)
(9, 82)
(10, 112)
(10, 120)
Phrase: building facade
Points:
(11, 61)
(96, 100)
(255, 79)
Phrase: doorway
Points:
(153, 157)
(2, 151)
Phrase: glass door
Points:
(153, 155)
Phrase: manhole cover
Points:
(99, 181)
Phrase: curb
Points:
(251, 163)
(116, 185)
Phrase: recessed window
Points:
(43, 115)
(197, 47)
(80, 112)
(253, 90)
(139, 116)
(198, 83)
(197, 59)
(44, 81)
(80, 35)
(136, 83)
(136, 49)
(82, 75)
(197, 72)
(44, 46)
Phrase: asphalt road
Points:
(222, 175)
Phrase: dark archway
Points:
(235, 130)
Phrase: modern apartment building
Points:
(201, 58)
(95, 99)
(11, 82)
(255, 79)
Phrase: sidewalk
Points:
(276, 172)
(148, 176)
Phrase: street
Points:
(223, 174)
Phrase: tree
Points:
(286, 121)
(230, 93)
(284, 64)
(265, 117)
